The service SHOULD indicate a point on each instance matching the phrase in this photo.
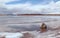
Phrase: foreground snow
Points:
(36, 34)
(10, 35)
(53, 32)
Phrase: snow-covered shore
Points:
(35, 34)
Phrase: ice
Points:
(11, 35)
(17, 21)
(36, 34)
(48, 34)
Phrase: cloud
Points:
(3, 2)
(3, 8)
(51, 8)
(28, 8)
(6, 1)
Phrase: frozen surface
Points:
(48, 34)
(29, 24)
(36, 34)
(24, 23)
(10, 35)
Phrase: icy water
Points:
(26, 22)
(10, 24)
(27, 19)
(22, 20)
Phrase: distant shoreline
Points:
(29, 14)
(38, 14)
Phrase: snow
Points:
(48, 34)
(11, 35)
(37, 34)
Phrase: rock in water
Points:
(2, 36)
(43, 27)
(27, 35)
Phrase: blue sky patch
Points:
(32, 1)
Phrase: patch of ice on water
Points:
(12, 35)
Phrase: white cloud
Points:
(2, 2)
(52, 7)
(3, 8)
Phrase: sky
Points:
(30, 6)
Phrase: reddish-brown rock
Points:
(43, 27)
(27, 35)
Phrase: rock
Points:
(27, 35)
(2, 36)
(43, 27)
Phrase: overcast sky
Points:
(30, 6)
